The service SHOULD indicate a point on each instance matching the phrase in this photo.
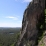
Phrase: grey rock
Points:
(32, 17)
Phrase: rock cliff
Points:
(33, 19)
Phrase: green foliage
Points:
(7, 39)
(0, 44)
(42, 44)
(41, 37)
(40, 27)
(12, 45)
(45, 11)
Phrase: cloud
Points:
(24, 0)
(27, 0)
(12, 17)
(9, 17)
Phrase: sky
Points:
(11, 12)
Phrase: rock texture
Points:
(33, 18)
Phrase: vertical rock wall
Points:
(33, 16)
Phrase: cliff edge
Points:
(32, 24)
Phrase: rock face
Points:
(33, 18)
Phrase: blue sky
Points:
(11, 12)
